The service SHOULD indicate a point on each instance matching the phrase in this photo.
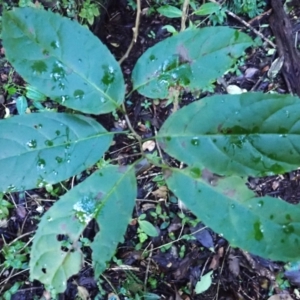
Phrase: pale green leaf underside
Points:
(265, 226)
(42, 148)
(193, 59)
(100, 196)
(248, 134)
(63, 60)
(115, 216)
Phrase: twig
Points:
(158, 148)
(222, 267)
(228, 12)
(148, 267)
(135, 31)
(131, 127)
(185, 8)
(251, 28)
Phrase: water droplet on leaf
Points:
(54, 44)
(41, 163)
(258, 231)
(195, 172)
(59, 159)
(48, 143)
(32, 144)
(288, 228)
(260, 203)
(195, 141)
(78, 94)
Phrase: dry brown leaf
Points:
(21, 212)
(250, 72)
(214, 264)
(3, 223)
(82, 293)
(234, 264)
(161, 192)
(275, 185)
(148, 145)
(234, 90)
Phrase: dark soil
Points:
(236, 274)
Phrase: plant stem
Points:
(185, 8)
(135, 31)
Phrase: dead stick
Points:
(135, 31)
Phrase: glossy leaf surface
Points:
(63, 60)
(42, 148)
(105, 196)
(118, 199)
(265, 226)
(192, 59)
(248, 134)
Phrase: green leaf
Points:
(106, 196)
(265, 226)
(248, 134)
(170, 11)
(204, 283)
(45, 148)
(191, 59)
(118, 200)
(33, 94)
(21, 103)
(207, 9)
(63, 60)
(148, 228)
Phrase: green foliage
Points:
(10, 292)
(4, 207)
(15, 255)
(176, 62)
(251, 8)
(56, 66)
(249, 134)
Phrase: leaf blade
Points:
(192, 59)
(45, 148)
(228, 207)
(56, 254)
(52, 61)
(114, 217)
(247, 134)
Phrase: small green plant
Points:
(89, 11)
(235, 136)
(4, 207)
(16, 255)
(251, 8)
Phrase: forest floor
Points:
(168, 266)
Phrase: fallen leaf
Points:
(161, 192)
(203, 236)
(82, 293)
(214, 264)
(250, 72)
(235, 90)
(234, 264)
(149, 145)
(204, 283)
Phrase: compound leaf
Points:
(118, 199)
(248, 134)
(56, 253)
(45, 148)
(63, 60)
(192, 59)
(264, 226)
